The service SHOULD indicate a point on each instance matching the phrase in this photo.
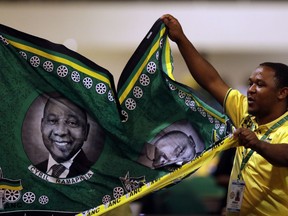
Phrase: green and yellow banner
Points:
(73, 145)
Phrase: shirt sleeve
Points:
(235, 106)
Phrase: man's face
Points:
(174, 148)
(262, 91)
(64, 129)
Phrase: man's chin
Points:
(252, 112)
(61, 159)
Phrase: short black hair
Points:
(281, 72)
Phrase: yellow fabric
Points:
(123, 210)
(266, 191)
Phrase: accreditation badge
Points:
(235, 196)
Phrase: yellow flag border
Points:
(139, 71)
(60, 60)
(165, 180)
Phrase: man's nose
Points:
(160, 160)
(60, 129)
(252, 88)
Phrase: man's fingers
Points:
(237, 133)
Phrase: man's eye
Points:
(260, 84)
(52, 121)
(179, 151)
(72, 123)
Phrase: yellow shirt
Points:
(266, 190)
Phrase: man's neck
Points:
(261, 120)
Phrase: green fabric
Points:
(124, 125)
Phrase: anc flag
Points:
(57, 107)
(171, 131)
(75, 146)
(12, 185)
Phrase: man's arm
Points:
(201, 70)
(276, 154)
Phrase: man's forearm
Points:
(201, 70)
(276, 154)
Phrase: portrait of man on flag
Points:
(175, 145)
(62, 129)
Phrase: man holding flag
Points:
(261, 159)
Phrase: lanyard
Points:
(247, 157)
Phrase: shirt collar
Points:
(67, 164)
(269, 124)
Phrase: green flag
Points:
(171, 131)
(159, 110)
(57, 107)
(71, 145)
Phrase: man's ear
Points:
(87, 131)
(42, 124)
(283, 93)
